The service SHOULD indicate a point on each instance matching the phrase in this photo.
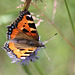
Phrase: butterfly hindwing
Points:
(24, 25)
(20, 51)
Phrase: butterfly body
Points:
(23, 36)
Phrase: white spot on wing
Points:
(29, 15)
(30, 21)
(23, 57)
(25, 54)
(30, 51)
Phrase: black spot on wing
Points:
(30, 50)
(23, 25)
(25, 30)
(32, 25)
(24, 56)
(27, 52)
(33, 31)
(29, 18)
(22, 49)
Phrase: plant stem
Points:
(26, 5)
(69, 16)
(39, 69)
(26, 68)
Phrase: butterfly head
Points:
(41, 44)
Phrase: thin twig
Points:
(26, 5)
(55, 27)
(54, 10)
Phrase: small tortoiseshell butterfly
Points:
(23, 36)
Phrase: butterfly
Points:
(23, 37)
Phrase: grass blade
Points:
(69, 16)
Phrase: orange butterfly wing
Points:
(20, 51)
(25, 26)
(23, 36)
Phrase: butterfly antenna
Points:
(46, 54)
(49, 38)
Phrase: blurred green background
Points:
(60, 52)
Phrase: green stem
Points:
(26, 69)
(26, 5)
(69, 16)
(38, 69)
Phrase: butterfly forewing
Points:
(24, 25)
